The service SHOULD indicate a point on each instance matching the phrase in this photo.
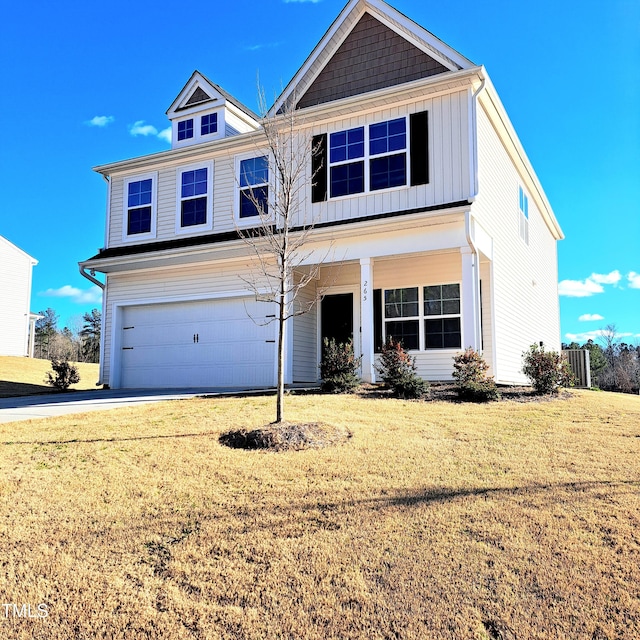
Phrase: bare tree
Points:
(282, 267)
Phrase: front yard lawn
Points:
(434, 520)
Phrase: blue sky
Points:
(88, 84)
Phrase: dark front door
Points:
(336, 317)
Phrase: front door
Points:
(336, 317)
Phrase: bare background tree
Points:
(79, 340)
(279, 241)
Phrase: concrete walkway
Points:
(57, 404)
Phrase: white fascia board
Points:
(17, 249)
(230, 250)
(419, 36)
(196, 79)
(398, 95)
(396, 21)
(498, 117)
(184, 154)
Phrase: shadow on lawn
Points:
(10, 389)
(91, 440)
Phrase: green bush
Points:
(547, 370)
(64, 374)
(472, 382)
(339, 367)
(398, 371)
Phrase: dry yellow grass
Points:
(25, 376)
(436, 520)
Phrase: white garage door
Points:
(213, 343)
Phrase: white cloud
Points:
(92, 295)
(100, 121)
(139, 128)
(579, 288)
(634, 279)
(590, 317)
(165, 135)
(589, 286)
(606, 278)
(594, 335)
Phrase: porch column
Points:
(366, 318)
(470, 301)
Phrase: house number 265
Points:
(365, 284)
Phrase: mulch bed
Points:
(446, 392)
(286, 436)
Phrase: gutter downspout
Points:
(467, 220)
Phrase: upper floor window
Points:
(428, 316)
(209, 124)
(195, 197)
(523, 214)
(387, 148)
(140, 206)
(372, 157)
(185, 129)
(254, 187)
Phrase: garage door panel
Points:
(158, 348)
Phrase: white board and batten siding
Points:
(15, 297)
(449, 175)
(192, 326)
(305, 330)
(524, 296)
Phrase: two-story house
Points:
(420, 192)
(17, 323)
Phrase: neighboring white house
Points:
(17, 323)
(422, 191)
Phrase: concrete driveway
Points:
(57, 404)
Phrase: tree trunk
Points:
(281, 318)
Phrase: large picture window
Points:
(423, 318)
(254, 187)
(368, 158)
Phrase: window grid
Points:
(254, 189)
(139, 202)
(368, 158)
(185, 129)
(193, 191)
(428, 315)
(209, 124)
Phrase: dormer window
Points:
(209, 124)
(185, 129)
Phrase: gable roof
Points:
(199, 91)
(369, 46)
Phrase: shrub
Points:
(470, 374)
(63, 374)
(339, 367)
(547, 370)
(398, 371)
